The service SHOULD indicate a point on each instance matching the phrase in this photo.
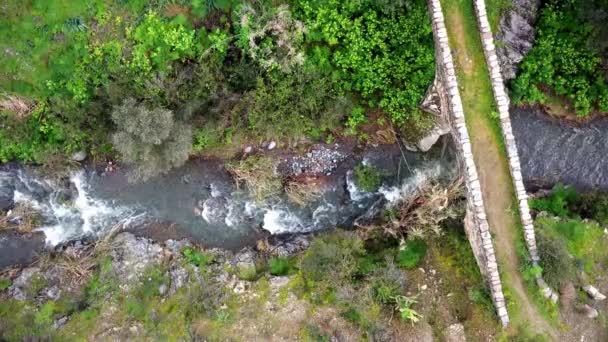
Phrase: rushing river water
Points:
(201, 201)
(553, 152)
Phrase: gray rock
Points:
(79, 156)
(427, 142)
(179, 277)
(455, 333)
(244, 259)
(7, 190)
(53, 292)
(58, 323)
(288, 246)
(162, 289)
(132, 255)
(271, 145)
(516, 33)
(18, 289)
(176, 246)
(590, 311)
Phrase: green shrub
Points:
(412, 253)
(404, 306)
(384, 52)
(303, 103)
(150, 139)
(558, 202)
(367, 177)
(387, 283)
(556, 262)
(198, 258)
(564, 59)
(5, 284)
(279, 266)
(271, 36)
(332, 259)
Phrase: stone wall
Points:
(502, 101)
(476, 224)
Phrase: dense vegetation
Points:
(231, 70)
(571, 235)
(566, 59)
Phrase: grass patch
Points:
(412, 254)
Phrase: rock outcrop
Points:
(516, 33)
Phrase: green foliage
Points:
(279, 266)
(5, 283)
(412, 253)
(150, 139)
(157, 44)
(367, 177)
(356, 118)
(404, 306)
(557, 203)
(387, 282)
(13, 317)
(332, 259)
(557, 264)
(564, 59)
(198, 258)
(583, 240)
(248, 273)
(383, 51)
(271, 36)
(302, 103)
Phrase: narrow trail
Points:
(490, 158)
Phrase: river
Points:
(201, 201)
(553, 152)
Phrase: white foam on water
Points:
(278, 221)
(325, 214)
(232, 217)
(84, 215)
(411, 185)
(354, 192)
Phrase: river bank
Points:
(314, 189)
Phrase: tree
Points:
(150, 139)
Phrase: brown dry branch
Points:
(303, 193)
(259, 175)
(24, 214)
(421, 215)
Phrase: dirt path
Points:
(490, 158)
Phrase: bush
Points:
(271, 36)
(198, 258)
(558, 202)
(332, 259)
(303, 103)
(150, 139)
(260, 176)
(384, 52)
(388, 282)
(279, 266)
(412, 253)
(564, 59)
(367, 177)
(555, 260)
